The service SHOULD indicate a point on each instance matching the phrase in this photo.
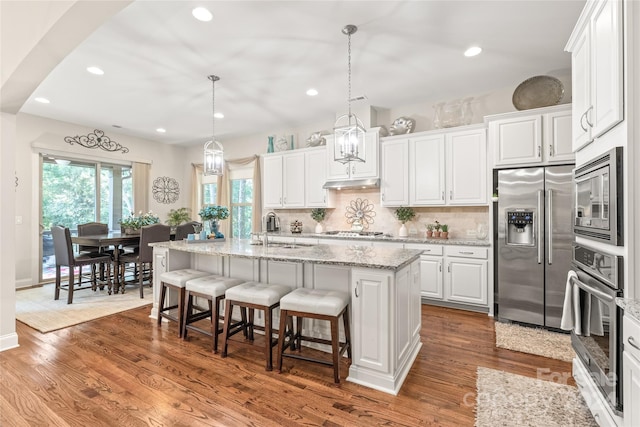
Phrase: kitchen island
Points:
(384, 284)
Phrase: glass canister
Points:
(482, 231)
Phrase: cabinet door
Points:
(466, 168)
(336, 171)
(606, 66)
(272, 182)
(369, 168)
(431, 277)
(631, 390)
(394, 180)
(517, 140)
(315, 175)
(427, 170)
(370, 296)
(581, 90)
(466, 281)
(557, 136)
(293, 180)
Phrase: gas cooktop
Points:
(352, 233)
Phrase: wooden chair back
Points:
(184, 229)
(150, 234)
(90, 229)
(62, 246)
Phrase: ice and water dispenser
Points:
(520, 228)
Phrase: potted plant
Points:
(175, 217)
(445, 231)
(436, 229)
(133, 223)
(404, 214)
(429, 230)
(318, 215)
(211, 215)
(494, 197)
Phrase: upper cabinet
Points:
(283, 180)
(337, 171)
(315, 175)
(537, 136)
(443, 168)
(596, 48)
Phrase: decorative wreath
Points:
(360, 210)
(166, 190)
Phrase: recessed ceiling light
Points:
(218, 115)
(472, 51)
(117, 126)
(312, 92)
(161, 130)
(42, 100)
(202, 14)
(95, 70)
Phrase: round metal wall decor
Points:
(360, 211)
(165, 190)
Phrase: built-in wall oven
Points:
(598, 321)
(598, 199)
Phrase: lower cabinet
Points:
(631, 371)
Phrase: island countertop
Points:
(354, 256)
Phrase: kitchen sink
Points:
(288, 245)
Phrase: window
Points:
(241, 207)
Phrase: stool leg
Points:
(163, 291)
(180, 309)
(284, 317)
(215, 321)
(187, 313)
(250, 325)
(335, 349)
(347, 330)
(228, 310)
(298, 334)
(268, 315)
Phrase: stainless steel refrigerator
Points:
(533, 243)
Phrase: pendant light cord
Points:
(213, 79)
(349, 75)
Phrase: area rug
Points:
(505, 399)
(37, 308)
(535, 341)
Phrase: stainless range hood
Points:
(352, 184)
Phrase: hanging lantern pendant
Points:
(213, 152)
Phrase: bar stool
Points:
(211, 288)
(252, 296)
(175, 279)
(315, 304)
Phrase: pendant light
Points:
(213, 153)
(349, 132)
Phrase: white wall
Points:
(166, 160)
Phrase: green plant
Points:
(429, 227)
(405, 214)
(140, 220)
(178, 216)
(445, 228)
(437, 226)
(214, 212)
(318, 214)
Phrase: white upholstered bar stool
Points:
(315, 304)
(252, 296)
(211, 288)
(176, 280)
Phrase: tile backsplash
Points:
(459, 219)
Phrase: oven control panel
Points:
(605, 266)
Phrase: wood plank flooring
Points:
(122, 370)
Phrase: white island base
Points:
(385, 299)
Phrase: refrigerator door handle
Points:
(539, 230)
(549, 227)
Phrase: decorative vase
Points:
(403, 231)
(212, 227)
(270, 144)
(128, 230)
(318, 228)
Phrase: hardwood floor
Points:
(122, 370)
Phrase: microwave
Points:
(598, 199)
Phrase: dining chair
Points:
(63, 250)
(148, 234)
(185, 229)
(89, 229)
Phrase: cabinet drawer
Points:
(426, 249)
(631, 331)
(466, 252)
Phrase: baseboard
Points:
(9, 341)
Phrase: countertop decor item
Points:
(213, 152)
(318, 215)
(404, 214)
(538, 91)
(211, 215)
(316, 139)
(133, 223)
(402, 125)
(296, 227)
(360, 213)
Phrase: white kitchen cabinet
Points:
(596, 47)
(283, 180)
(394, 179)
(537, 136)
(631, 372)
(315, 175)
(337, 171)
(431, 277)
(466, 275)
(466, 154)
(427, 170)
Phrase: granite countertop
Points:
(631, 307)
(388, 238)
(355, 256)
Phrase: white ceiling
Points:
(157, 57)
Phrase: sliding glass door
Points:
(69, 196)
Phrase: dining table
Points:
(113, 238)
